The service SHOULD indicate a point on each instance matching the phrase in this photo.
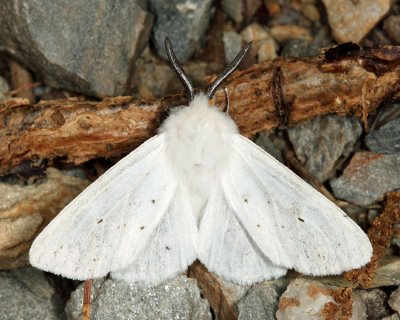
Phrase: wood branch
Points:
(212, 290)
(341, 82)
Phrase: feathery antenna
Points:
(227, 71)
(187, 83)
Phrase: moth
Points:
(199, 190)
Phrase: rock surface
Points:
(305, 300)
(261, 302)
(320, 143)
(71, 44)
(25, 210)
(184, 22)
(392, 26)
(394, 300)
(367, 178)
(232, 45)
(262, 42)
(385, 139)
(375, 303)
(4, 88)
(352, 20)
(25, 294)
(113, 299)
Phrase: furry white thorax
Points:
(198, 147)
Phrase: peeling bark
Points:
(356, 82)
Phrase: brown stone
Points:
(352, 20)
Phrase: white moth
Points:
(199, 190)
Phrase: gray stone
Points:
(184, 22)
(296, 48)
(4, 88)
(392, 26)
(304, 48)
(85, 46)
(320, 142)
(359, 309)
(113, 299)
(234, 9)
(232, 45)
(394, 300)
(367, 178)
(394, 316)
(264, 141)
(385, 139)
(352, 20)
(261, 302)
(375, 302)
(25, 294)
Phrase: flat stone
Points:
(26, 209)
(394, 316)
(232, 44)
(367, 178)
(394, 300)
(240, 10)
(353, 20)
(262, 42)
(385, 139)
(72, 44)
(359, 309)
(26, 294)
(183, 22)
(304, 300)
(234, 9)
(322, 141)
(283, 33)
(261, 302)
(112, 299)
(392, 26)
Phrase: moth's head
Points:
(187, 83)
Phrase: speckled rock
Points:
(261, 302)
(184, 22)
(385, 139)
(359, 309)
(375, 303)
(320, 142)
(72, 44)
(367, 178)
(232, 44)
(304, 300)
(394, 300)
(25, 294)
(352, 20)
(113, 299)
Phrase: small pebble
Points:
(392, 26)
